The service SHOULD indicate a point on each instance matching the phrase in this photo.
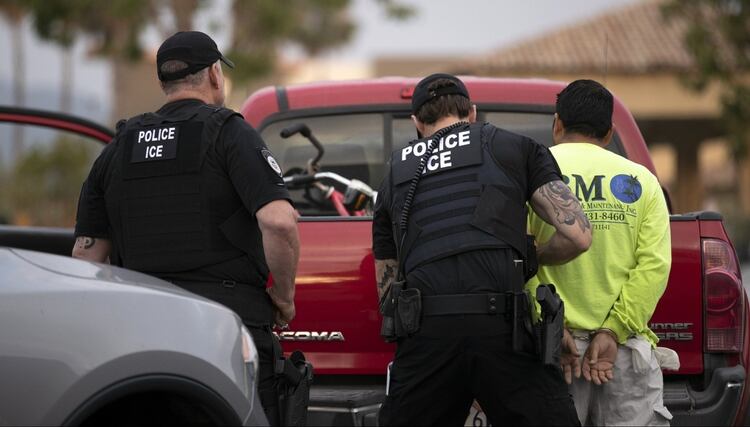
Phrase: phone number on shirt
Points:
(606, 216)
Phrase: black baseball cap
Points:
(422, 94)
(195, 48)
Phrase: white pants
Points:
(633, 397)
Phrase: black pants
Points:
(267, 380)
(435, 379)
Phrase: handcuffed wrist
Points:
(609, 332)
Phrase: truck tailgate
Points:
(678, 320)
(337, 324)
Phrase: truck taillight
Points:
(723, 297)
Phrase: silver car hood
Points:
(70, 329)
(108, 274)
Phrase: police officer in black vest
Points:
(191, 194)
(450, 218)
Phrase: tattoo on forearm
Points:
(567, 208)
(387, 276)
(86, 242)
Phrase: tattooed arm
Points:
(385, 274)
(556, 204)
(92, 249)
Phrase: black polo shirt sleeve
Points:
(383, 245)
(91, 218)
(541, 167)
(254, 172)
(528, 162)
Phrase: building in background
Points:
(637, 53)
(640, 57)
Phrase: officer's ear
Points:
(214, 75)
(419, 125)
(472, 114)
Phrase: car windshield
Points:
(357, 146)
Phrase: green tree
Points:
(262, 27)
(59, 22)
(46, 181)
(718, 39)
(717, 36)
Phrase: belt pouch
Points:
(523, 336)
(408, 312)
(388, 310)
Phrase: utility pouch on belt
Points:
(388, 309)
(408, 312)
(295, 375)
(531, 264)
(549, 330)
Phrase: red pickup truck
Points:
(703, 314)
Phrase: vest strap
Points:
(472, 177)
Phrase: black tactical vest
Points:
(464, 201)
(160, 202)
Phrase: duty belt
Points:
(456, 304)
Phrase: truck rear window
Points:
(357, 146)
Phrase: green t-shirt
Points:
(617, 283)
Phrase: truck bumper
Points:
(717, 405)
(344, 405)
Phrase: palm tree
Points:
(13, 11)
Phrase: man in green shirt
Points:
(611, 291)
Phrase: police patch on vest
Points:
(159, 143)
(271, 161)
(455, 150)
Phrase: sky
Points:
(465, 27)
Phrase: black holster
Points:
(541, 340)
(401, 308)
(388, 311)
(523, 336)
(295, 376)
(549, 330)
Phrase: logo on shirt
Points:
(626, 188)
(271, 161)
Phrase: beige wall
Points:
(136, 88)
(648, 96)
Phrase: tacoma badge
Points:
(309, 336)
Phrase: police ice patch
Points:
(159, 143)
(271, 161)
